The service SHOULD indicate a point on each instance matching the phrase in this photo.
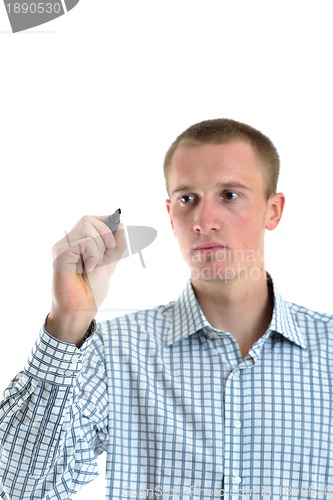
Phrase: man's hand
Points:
(84, 261)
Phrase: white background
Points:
(89, 104)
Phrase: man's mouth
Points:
(209, 247)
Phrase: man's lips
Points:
(209, 247)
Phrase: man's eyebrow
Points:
(220, 185)
(232, 184)
(182, 188)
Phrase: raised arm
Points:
(84, 261)
(53, 418)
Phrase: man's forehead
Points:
(233, 155)
(229, 165)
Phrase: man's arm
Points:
(53, 418)
(84, 261)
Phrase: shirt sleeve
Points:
(53, 421)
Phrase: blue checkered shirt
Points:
(176, 408)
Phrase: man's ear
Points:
(168, 205)
(275, 210)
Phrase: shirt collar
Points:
(188, 318)
(284, 321)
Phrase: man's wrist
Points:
(91, 330)
(54, 361)
(69, 330)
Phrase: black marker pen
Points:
(114, 220)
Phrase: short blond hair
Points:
(223, 131)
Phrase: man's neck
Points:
(240, 307)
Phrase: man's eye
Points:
(186, 198)
(230, 195)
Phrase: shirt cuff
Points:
(55, 362)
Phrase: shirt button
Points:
(236, 372)
(237, 424)
(237, 480)
(75, 359)
(68, 373)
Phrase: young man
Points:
(225, 392)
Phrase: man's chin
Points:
(213, 273)
(226, 274)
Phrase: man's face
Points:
(219, 211)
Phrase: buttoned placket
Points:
(235, 483)
(234, 368)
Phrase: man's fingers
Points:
(88, 245)
(121, 248)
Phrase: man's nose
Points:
(206, 217)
